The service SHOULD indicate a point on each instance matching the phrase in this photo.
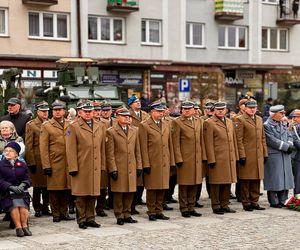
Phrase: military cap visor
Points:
(106, 107)
(209, 105)
(87, 107)
(132, 99)
(251, 104)
(157, 107)
(14, 101)
(123, 112)
(220, 105)
(187, 105)
(58, 105)
(277, 108)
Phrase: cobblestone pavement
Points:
(270, 229)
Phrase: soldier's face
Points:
(97, 114)
(136, 105)
(106, 113)
(87, 115)
(296, 119)
(13, 108)
(242, 108)
(278, 116)
(157, 115)
(58, 113)
(250, 110)
(220, 113)
(43, 114)
(188, 112)
(124, 120)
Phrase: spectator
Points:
(267, 106)
(14, 182)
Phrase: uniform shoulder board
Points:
(110, 128)
(45, 122)
(30, 121)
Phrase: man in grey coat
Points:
(278, 169)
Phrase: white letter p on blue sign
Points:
(184, 85)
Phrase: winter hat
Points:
(14, 145)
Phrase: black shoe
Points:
(38, 214)
(152, 217)
(47, 213)
(134, 211)
(232, 196)
(120, 221)
(261, 194)
(71, 210)
(228, 210)
(101, 213)
(218, 211)
(19, 232)
(92, 223)
(194, 213)
(66, 217)
(186, 214)
(257, 207)
(82, 225)
(167, 208)
(56, 219)
(12, 225)
(26, 231)
(276, 205)
(141, 202)
(162, 217)
(248, 208)
(197, 204)
(172, 200)
(130, 220)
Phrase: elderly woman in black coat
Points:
(14, 182)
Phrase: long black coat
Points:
(12, 176)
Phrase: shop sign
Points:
(245, 74)
(230, 81)
(31, 73)
(156, 75)
(109, 76)
(130, 78)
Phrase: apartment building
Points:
(223, 49)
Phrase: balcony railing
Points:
(229, 10)
(43, 2)
(122, 5)
(287, 13)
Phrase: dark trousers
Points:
(172, 183)
(207, 185)
(137, 197)
(250, 190)
(59, 202)
(122, 205)
(85, 208)
(155, 199)
(38, 193)
(101, 200)
(187, 197)
(199, 189)
(277, 197)
(220, 194)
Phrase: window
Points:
(49, 25)
(106, 29)
(151, 32)
(232, 37)
(3, 22)
(195, 35)
(274, 39)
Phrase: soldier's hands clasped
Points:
(73, 173)
(48, 171)
(179, 164)
(147, 170)
(114, 175)
(242, 162)
(211, 165)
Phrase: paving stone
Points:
(107, 231)
(156, 225)
(54, 238)
(7, 244)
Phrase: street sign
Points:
(184, 85)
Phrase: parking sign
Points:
(184, 85)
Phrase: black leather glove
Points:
(32, 168)
(242, 162)
(48, 171)
(22, 186)
(290, 149)
(179, 164)
(114, 175)
(139, 172)
(204, 161)
(16, 189)
(265, 159)
(211, 165)
(147, 170)
(73, 173)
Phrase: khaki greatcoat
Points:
(136, 122)
(32, 153)
(53, 154)
(221, 148)
(123, 155)
(252, 145)
(157, 153)
(86, 154)
(189, 148)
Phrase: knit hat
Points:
(14, 145)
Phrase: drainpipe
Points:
(79, 29)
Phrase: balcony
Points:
(41, 2)
(287, 13)
(122, 6)
(229, 10)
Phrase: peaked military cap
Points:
(87, 106)
(157, 105)
(122, 111)
(14, 100)
(187, 104)
(132, 99)
(251, 104)
(58, 105)
(296, 112)
(277, 108)
(97, 105)
(106, 106)
(220, 105)
(209, 105)
(42, 106)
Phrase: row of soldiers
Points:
(139, 150)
